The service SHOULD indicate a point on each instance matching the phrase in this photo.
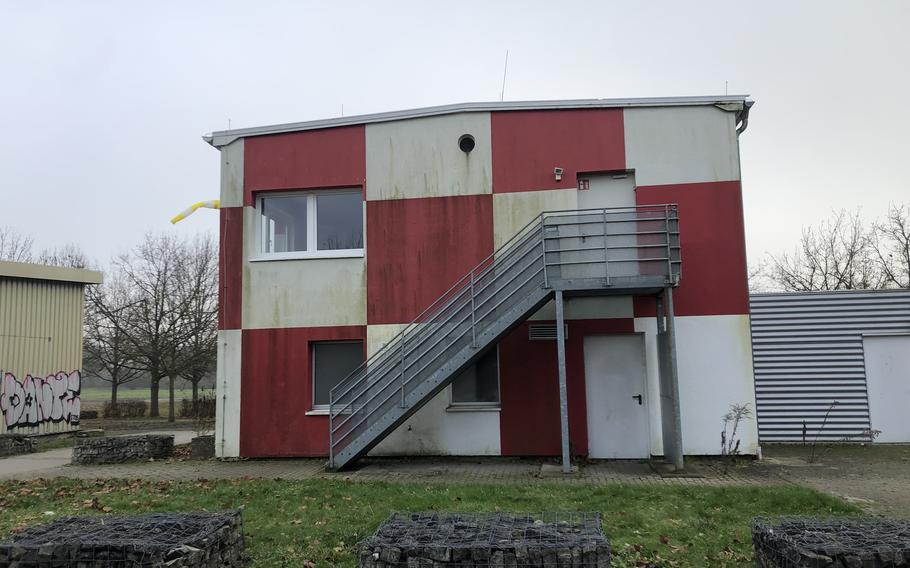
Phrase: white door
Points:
(888, 384)
(616, 398)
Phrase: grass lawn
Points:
(292, 522)
(101, 394)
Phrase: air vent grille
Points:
(543, 331)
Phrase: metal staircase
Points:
(631, 250)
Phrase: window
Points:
(311, 224)
(332, 362)
(479, 384)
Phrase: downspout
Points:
(742, 117)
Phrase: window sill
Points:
(318, 412)
(308, 255)
(473, 408)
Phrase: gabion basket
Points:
(158, 539)
(800, 542)
(500, 540)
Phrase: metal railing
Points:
(619, 248)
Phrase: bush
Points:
(203, 408)
(125, 409)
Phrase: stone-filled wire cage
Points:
(494, 540)
(159, 539)
(799, 542)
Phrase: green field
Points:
(318, 522)
(101, 394)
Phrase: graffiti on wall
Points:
(34, 401)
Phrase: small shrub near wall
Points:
(125, 409)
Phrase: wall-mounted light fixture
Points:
(557, 173)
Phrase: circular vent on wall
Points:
(466, 143)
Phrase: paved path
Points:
(442, 470)
(876, 478)
(54, 463)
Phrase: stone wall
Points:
(430, 540)
(189, 540)
(120, 449)
(15, 444)
(830, 543)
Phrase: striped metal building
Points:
(843, 354)
(41, 315)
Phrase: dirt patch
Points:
(875, 477)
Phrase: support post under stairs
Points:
(563, 393)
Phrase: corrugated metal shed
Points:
(41, 313)
(808, 352)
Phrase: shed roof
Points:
(727, 102)
(33, 271)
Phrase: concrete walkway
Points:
(52, 462)
(438, 470)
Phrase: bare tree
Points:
(107, 347)
(891, 243)
(154, 328)
(15, 247)
(199, 288)
(69, 255)
(836, 255)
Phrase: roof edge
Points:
(221, 138)
(28, 270)
(857, 292)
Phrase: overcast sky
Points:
(103, 104)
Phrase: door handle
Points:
(638, 398)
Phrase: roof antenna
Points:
(342, 109)
(505, 68)
(725, 88)
(229, 124)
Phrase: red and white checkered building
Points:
(430, 212)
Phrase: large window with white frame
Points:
(333, 361)
(478, 385)
(310, 224)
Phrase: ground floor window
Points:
(479, 384)
(332, 362)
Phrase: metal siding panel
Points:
(30, 312)
(808, 352)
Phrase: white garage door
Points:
(888, 383)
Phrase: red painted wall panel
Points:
(230, 267)
(529, 389)
(335, 157)
(527, 145)
(418, 248)
(714, 279)
(276, 391)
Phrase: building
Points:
(338, 234)
(832, 366)
(41, 313)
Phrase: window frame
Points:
(466, 406)
(260, 254)
(324, 408)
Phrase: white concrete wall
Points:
(300, 293)
(434, 430)
(227, 391)
(604, 307)
(421, 158)
(714, 358)
(512, 211)
(232, 174)
(681, 144)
